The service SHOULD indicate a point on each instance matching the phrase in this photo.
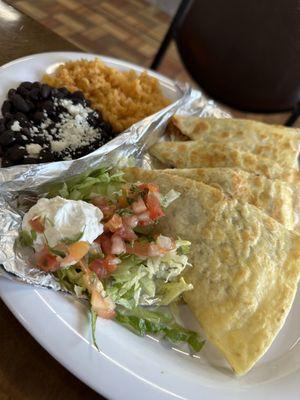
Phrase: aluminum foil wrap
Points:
(21, 185)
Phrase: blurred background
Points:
(133, 30)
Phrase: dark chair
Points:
(244, 54)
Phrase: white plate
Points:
(129, 367)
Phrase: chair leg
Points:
(294, 116)
(170, 34)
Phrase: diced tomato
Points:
(37, 225)
(153, 206)
(76, 251)
(165, 243)
(139, 206)
(106, 208)
(144, 219)
(105, 242)
(114, 223)
(117, 245)
(104, 307)
(130, 220)
(152, 187)
(111, 262)
(144, 249)
(126, 233)
(97, 267)
(108, 211)
(103, 266)
(47, 261)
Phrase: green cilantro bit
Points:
(124, 212)
(74, 239)
(57, 252)
(93, 327)
(26, 239)
(185, 249)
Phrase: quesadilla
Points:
(194, 154)
(274, 197)
(275, 142)
(245, 268)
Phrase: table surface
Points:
(21, 36)
(27, 371)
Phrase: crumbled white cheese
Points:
(58, 146)
(33, 149)
(73, 130)
(16, 126)
(64, 219)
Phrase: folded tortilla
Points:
(245, 268)
(279, 143)
(195, 154)
(276, 198)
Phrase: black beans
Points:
(92, 119)
(30, 160)
(104, 126)
(26, 85)
(22, 91)
(7, 138)
(8, 117)
(48, 106)
(45, 91)
(39, 116)
(19, 103)
(34, 114)
(20, 117)
(30, 105)
(6, 162)
(34, 93)
(46, 155)
(78, 94)
(36, 85)
(6, 107)
(59, 95)
(64, 91)
(11, 93)
(2, 125)
(15, 153)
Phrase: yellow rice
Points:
(123, 98)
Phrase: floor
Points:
(128, 29)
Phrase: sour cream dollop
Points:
(64, 219)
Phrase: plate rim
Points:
(125, 63)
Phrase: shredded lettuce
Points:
(138, 284)
(150, 281)
(102, 181)
(171, 264)
(71, 279)
(170, 291)
(143, 321)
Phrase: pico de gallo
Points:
(99, 238)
